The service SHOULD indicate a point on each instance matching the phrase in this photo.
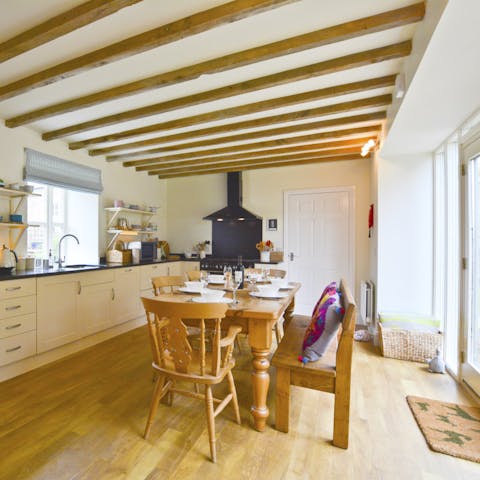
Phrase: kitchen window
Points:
(68, 203)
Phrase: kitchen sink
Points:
(82, 265)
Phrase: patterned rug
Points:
(447, 427)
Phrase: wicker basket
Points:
(413, 345)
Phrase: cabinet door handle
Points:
(12, 289)
(13, 349)
(113, 294)
(11, 327)
(128, 270)
(14, 307)
(154, 267)
(79, 288)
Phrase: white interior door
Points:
(319, 241)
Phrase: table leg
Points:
(260, 383)
(288, 314)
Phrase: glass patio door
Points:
(470, 368)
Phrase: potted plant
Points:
(200, 248)
(265, 248)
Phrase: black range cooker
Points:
(217, 264)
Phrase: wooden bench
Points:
(329, 374)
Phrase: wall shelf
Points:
(16, 198)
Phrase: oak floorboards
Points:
(82, 417)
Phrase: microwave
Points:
(148, 250)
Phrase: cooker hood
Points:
(234, 209)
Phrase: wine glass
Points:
(252, 280)
(227, 273)
(235, 281)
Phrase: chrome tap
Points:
(60, 261)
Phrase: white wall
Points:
(118, 182)
(405, 233)
(191, 198)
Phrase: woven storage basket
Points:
(412, 345)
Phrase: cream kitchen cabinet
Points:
(126, 302)
(147, 272)
(17, 320)
(95, 302)
(57, 319)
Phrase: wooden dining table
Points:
(257, 317)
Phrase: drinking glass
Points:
(252, 280)
(227, 272)
(235, 284)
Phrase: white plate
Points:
(189, 290)
(287, 287)
(206, 300)
(216, 282)
(264, 295)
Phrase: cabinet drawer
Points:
(16, 325)
(150, 271)
(97, 277)
(17, 347)
(18, 288)
(17, 306)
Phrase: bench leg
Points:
(341, 416)
(282, 400)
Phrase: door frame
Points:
(467, 374)
(350, 190)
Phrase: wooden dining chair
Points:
(174, 359)
(194, 275)
(167, 284)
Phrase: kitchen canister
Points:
(21, 263)
(29, 263)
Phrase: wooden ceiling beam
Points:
(353, 146)
(248, 162)
(346, 62)
(314, 95)
(370, 102)
(325, 136)
(194, 24)
(60, 25)
(337, 122)
(345, 31)
(305, 161)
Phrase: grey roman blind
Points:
(43, 168)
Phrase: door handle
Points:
(291, 255)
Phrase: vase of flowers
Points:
(200, 248)
(265, 248)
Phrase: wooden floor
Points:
(82, 418)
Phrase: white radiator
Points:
(366, 302)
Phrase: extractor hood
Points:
(234, 209)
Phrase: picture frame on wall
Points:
(272, 224)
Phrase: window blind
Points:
(43, 168)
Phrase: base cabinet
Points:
(95, 308)
(126, 301)
(57, 320)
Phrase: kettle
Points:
(8, 258)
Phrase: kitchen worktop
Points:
(40, 272)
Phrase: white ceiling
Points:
(276, 24)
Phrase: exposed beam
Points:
(322, 93)
(59, 25)
(349, 30)
(337, 122)
(270, 144)
(346, 146)
(373, 130)
(194, 24)
(322, 68)
(370, 102)
(266, 164)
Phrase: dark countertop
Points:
(14, 275)
(102, 266)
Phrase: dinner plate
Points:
(216, 282)
(189, 290)
(206, 300)
(264, 295)
(287, 287)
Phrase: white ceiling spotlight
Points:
(400, 86)
(367, 147)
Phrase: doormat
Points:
(447, 427)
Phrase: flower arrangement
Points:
(200, 246)
(266, 246)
